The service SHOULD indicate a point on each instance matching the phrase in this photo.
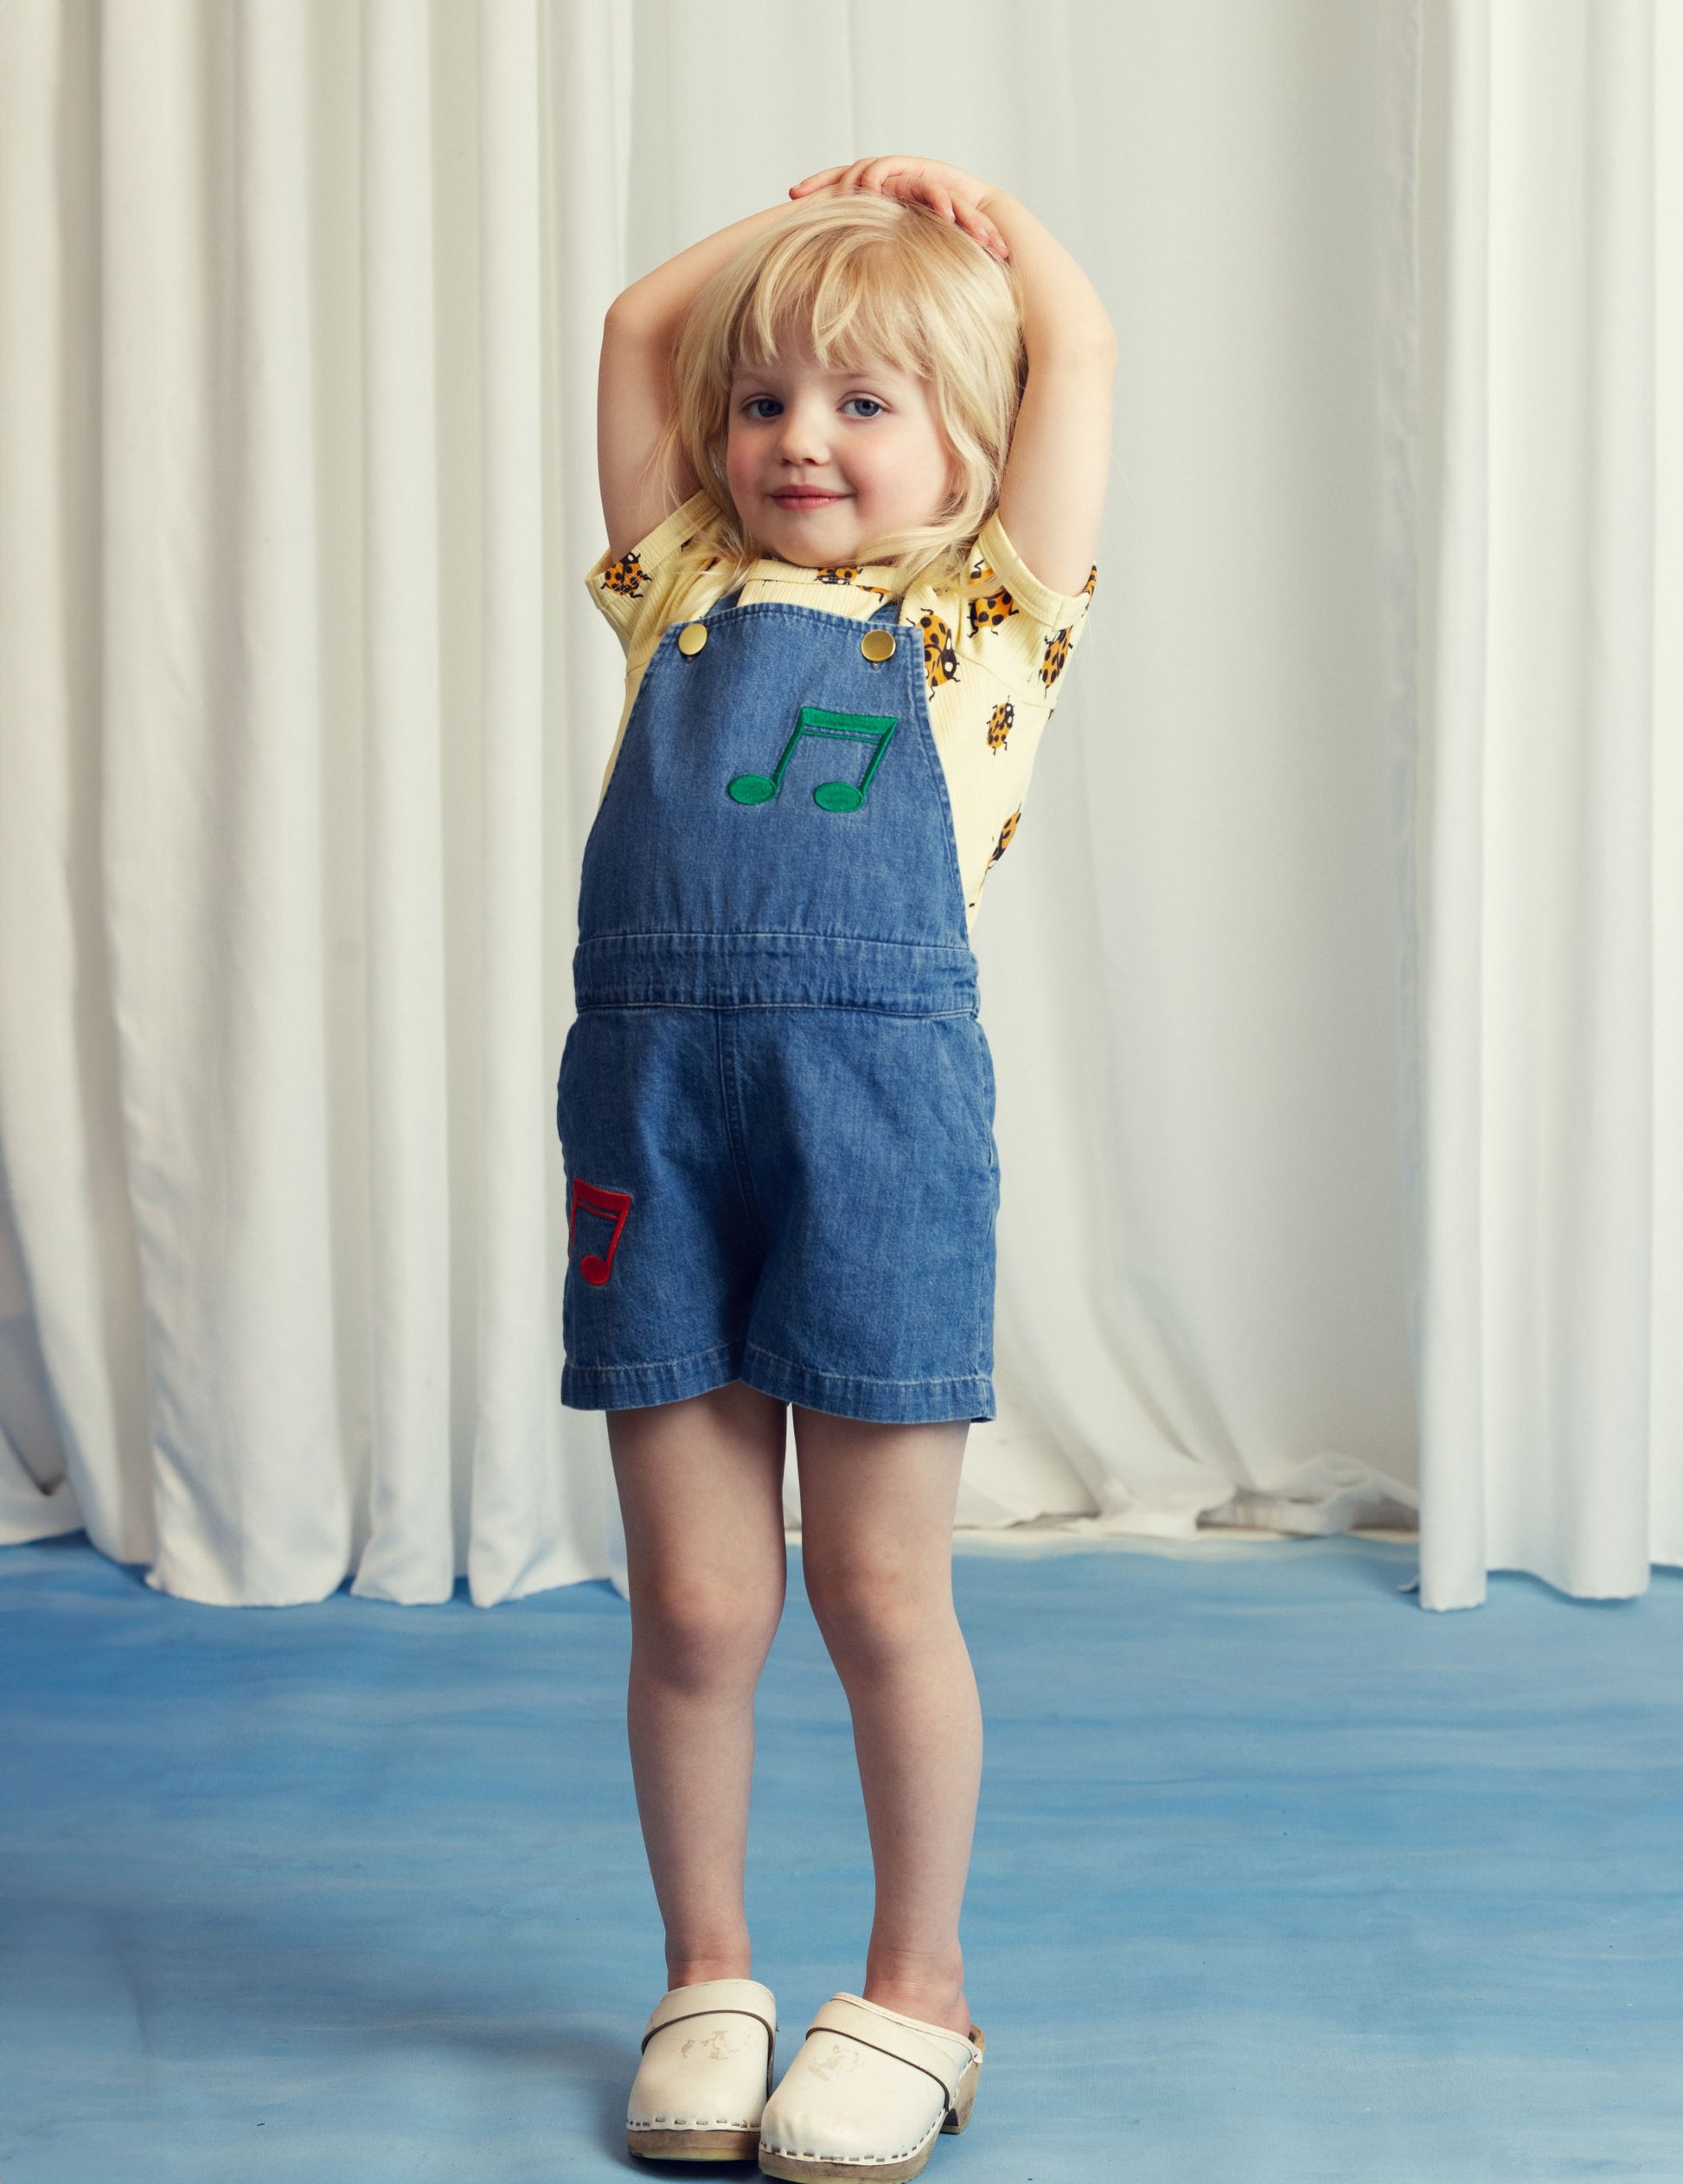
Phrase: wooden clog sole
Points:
(672, 2142)
(817, 2169)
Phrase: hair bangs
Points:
(850, 303)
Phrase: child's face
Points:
(819, 463)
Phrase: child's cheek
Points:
(737, 470)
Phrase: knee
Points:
(876, 1611)
(698, 1630)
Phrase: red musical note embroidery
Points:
(612, 1205)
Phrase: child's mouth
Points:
(805, 500)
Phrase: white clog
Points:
(705, 2071)
(868, 2094)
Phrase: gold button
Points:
(692, 637)
(878, 644)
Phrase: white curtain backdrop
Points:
(1326, 980)
(1551, 849)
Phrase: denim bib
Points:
(776, 829)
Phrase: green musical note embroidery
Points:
(828, 796)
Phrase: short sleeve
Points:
(1021, 628)
(627, 586)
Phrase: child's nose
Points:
(803, 435)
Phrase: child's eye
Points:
(750, 407)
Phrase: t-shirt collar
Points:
(768, 570)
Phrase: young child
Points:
(853, 454)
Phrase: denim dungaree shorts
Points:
(775, 1102)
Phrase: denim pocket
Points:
(987, 1089)
(968, 1072)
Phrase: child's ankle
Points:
(690, 1971)
(931, 2003)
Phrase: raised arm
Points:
(633, 387)
(1053, 494)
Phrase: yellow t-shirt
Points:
(993, 648)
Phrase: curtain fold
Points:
(1189, 961)
(289, 789)
(1549, 1290)
(74, 1308)
(210, 736)
(535, 1520)
(408, 1554)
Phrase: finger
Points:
(913, 190)
(879, 172)
(816, 181)
(986, 231)
(917, 190)
(978, 224)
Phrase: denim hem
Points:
(630, 1388)
(933, 1402)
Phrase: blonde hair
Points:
(854, 279)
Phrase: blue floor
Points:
(1277, 1878)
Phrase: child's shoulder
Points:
(999, 613)
(631, 588)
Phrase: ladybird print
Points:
(988, 613)
(624, 576)
(981, 572)
(1056, 658)
(1000, 849)
(1000, 722)
(940, 657)
(1092, 580)
(842, 572)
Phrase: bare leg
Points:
(876, 1548)
(700, 1490)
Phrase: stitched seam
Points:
(688, 2124)
(982, 1345)
(715, 620)
(735, 1134)
(926, 744)
(769, 932)
(867, 2160)
(862, 1379)
(655, 1364)
(850, 1007)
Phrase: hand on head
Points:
(947, 191)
